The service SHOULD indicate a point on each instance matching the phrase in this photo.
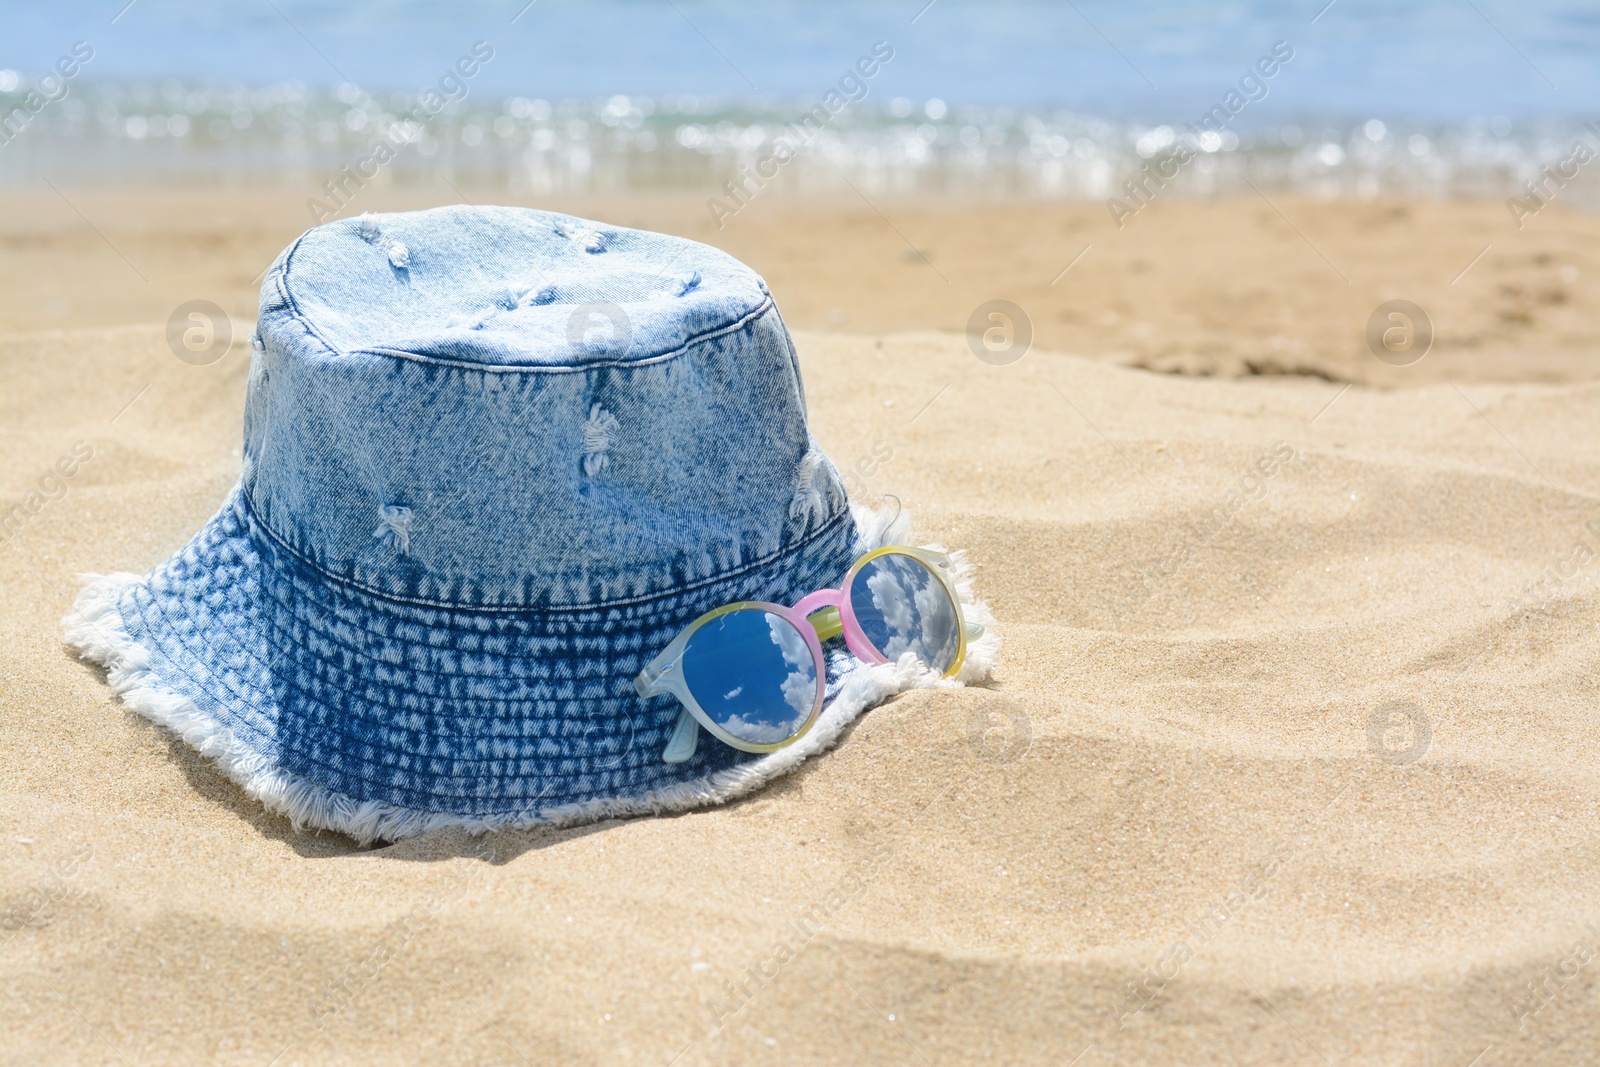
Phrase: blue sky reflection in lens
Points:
(753, 674)
(903, 608)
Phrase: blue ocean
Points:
(989, 99)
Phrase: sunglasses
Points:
(752, 673)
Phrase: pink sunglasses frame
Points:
(837, 617)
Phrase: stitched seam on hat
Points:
(495, 368)
(577, 609)
(514, 368)
(643, 627)
(638, 624)
(281, 280)
(599, 606)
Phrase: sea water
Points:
(1067, 100)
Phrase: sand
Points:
(1290, 758)
(1228, 289)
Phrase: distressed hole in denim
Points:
(597, 434)
(808, 503)
(588, 240)
(370, 232)
(394, 526)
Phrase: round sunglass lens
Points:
(752, 672)
(903, 607)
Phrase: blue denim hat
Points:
(495, 459)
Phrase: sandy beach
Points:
(1290, 757)
(1231, 288)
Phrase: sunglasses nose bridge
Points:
(815, 602)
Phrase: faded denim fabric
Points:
(474, 504)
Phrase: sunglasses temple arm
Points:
(827, 623)
(656, 679)
(685, 739)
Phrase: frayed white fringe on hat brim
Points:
(95, 628)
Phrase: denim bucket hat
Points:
(495, 459)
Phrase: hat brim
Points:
(384, 719)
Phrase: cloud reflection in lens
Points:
(753, 673)
(903, 607)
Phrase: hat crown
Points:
(508, 408)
